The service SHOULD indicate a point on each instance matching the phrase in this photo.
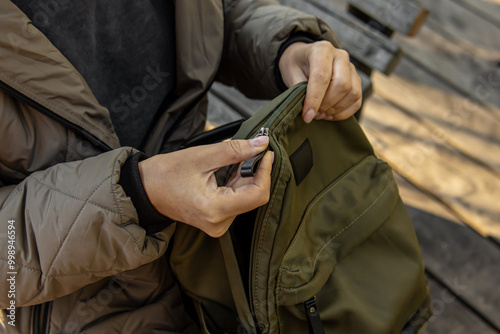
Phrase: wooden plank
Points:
(458, 121)
(471, 70)
(339, 4)
(416, 198)
(368, 46)
(236, 101)
(219, 113)
(465, 262)
(451, 316)
(486, 9)
(403, 16)
(455, 20)
(425, 159)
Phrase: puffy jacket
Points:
(73, 254)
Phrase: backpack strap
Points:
(236, 283)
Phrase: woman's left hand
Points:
(334, 89)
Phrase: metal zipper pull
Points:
(251, 166)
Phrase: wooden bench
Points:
(364, 27)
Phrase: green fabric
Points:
(342, 235)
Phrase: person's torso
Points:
(125, 51)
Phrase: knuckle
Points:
(211, 219)
(321, 76)
(332, 111)
(343, 54)
(343, 86)
(356, 92)
(358, 104)
(202, 203)
(265, 197)
(215, 233)
(324, 46)
(235, 147)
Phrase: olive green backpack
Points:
(334, 250)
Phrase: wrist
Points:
(132, 182)
(299, 37)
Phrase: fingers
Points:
(179, 184)
(232, 152)
(293, 64)
(344, 96)
(334, 89)
(247, 194)
(320, 72)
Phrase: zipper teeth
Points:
(263, 209)
(266, 125)
(274, 170)
(277, 112)
(47, 112)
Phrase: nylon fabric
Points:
(342, 235)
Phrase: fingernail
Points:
(259, 141)
(308, 117)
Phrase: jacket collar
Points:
(34, 67)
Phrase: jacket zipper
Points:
(40, 317)
(49, 113)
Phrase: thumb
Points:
(293, 64)
(234, 151)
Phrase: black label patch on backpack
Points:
(302, 161)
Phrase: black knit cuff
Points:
(294, 38)
(131, 182)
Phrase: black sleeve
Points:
(131, 182)
(294, 38)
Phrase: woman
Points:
(88, 209)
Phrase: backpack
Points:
(333, 251)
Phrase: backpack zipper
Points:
(250, 166)
(314, 323)
(49, 113)
(262, 210)
(264, 131)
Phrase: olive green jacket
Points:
(71, 244)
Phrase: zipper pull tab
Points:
(312, 314)
(251, 166)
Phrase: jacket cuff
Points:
(294, 38)
(131, 182)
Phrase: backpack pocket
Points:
(341, 217)
(357, 252)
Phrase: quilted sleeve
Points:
(254, 32)
(68, 226)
